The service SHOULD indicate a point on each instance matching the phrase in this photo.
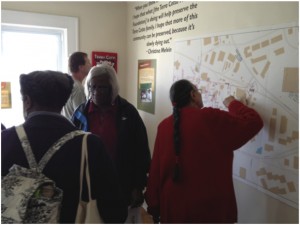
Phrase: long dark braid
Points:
(176, 115)
(180, 97)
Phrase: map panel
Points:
(260, 66)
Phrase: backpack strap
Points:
(26, 146)
(57, 145)
(47, 156)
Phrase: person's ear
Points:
(193, 96)
(81, 68)
(27, 103)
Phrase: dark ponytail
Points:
(176, 115)
(180, 97)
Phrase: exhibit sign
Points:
(5, 95)
(146, 85)
(105, 57)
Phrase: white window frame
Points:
(57, 32)
(69, 25)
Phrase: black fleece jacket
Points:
(133, 154)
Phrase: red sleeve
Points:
(238, 126)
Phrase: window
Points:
(31, 42)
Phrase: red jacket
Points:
(204, 193)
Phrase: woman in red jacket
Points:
(190, 178)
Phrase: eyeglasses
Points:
(198, 90)
(98, 88)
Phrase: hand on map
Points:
(230, 98)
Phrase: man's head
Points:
(183, 93)
(101, 85)
(45, 91)
(79, 65)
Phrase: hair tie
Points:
(174, 104)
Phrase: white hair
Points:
(103, 70)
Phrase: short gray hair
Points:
(103, 70)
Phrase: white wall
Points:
(107, 26)
(212, 18)
(257, 207)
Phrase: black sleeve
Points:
(142, 153)
(105, 184)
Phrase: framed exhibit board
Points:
(146, 85)
(5, 95)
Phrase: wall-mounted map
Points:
(260, 65)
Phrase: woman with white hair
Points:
(120, 127)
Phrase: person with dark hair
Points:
(120, 127)
(79, 66)
(43, 94)
(190, 178)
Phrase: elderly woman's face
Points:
(100, 91)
